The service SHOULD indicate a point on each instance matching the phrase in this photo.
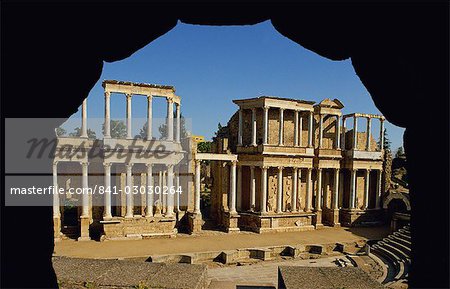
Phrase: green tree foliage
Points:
(386, 142)
(204, 147)
(60, 131)
(400, 153)
(222, 131)
(118, 129)
(77, 132)
(163, 128)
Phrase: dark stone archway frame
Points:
(399, 51)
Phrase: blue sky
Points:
(209, 66)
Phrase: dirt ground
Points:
(211, 241)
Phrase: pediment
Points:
(335, 103)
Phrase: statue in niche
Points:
(273, 187)
(158, 208)
(287, 193)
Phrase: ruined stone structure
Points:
(282, 165)
(299, 167)
(121, 214)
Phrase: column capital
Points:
(253, 109)
(107, 94)
(149, 165)
(368, 170)
(55, 163)
(233, 163)
(169, 166)
(149, 97)
(197, 162)
(129, 165)
(319, 169)
(265, 167)
(169, 100)
(280, 168)
(84, 163)
(128, 95)
(266, 107)
(282, 108)
(107, 164)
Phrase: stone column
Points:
(129, 191)
(232, 201)
(170, 195)
(281, 127)
(280, 190)
(352, 189)
(335, 204)
(319, 190)
(294, 190)
(300, 130)
(355, 132)
(239, 188)
(84, 218)
(320, 130)
(107, 132)
(253, 126)
(366, 189)
(56, 210)
(128, 96)
(163, 196)
(84, 119)
(169, 119)
(379, 184)
(296, 128)
(160, 184)
(338, 132)
(252, 188)
(150, 197)
(178, 134)
(310, 129)
(308, 206)
(85, 185)
(266, 125)
(264, 189)
(343, 133)
(240, 127)
(177, 188)
(107, 209)
(197, 188)
(368, 133)
(381, 134)
(149, 116)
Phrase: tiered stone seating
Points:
(395, 252)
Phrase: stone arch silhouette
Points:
(399, 51)
(396, 196)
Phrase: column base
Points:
(57, 228)
(84, 228)
(195, 222)
(317, 220)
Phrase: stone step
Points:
(398, 245)
(402, 255)
(405, 242)
(394, 261)
(403, 236)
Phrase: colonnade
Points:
(232, 200)
(296, 176)
(368, 131)
(171, 135)
(298, 122)
(167, 177)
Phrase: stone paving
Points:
(261, 274)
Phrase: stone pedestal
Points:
(331, 217)
(317, 221)
(361, 218)
(57, 229)
(195, 222)
(231, 222)
(84, 229)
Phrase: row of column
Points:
(298, 122)
(129, 197)
(309, 189)
(169, 117)
(368, 133)
(232, 187)
(337, 131)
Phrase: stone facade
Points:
(299, 166)
(280, 165)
